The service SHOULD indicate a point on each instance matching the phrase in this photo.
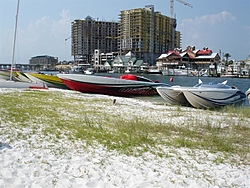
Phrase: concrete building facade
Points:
(88, 35)
(146, 33)
(43, 62)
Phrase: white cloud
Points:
(46, 37)
(217, 18)
(203, 30)
(59, 27)
(36, 28)
(209, 19)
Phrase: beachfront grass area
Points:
(130, 126)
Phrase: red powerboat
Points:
(125, 85)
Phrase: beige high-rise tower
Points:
(145, 33)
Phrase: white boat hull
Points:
(24, 85)
(248, 94)
(206, 98)
(173, 95)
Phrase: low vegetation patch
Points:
(96, 120)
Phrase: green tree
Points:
(227, 55)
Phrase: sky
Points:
(43, 25)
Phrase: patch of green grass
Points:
(87, 119)
(240, 112)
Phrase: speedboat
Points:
(214, 95)
(48, 79)
(89, 71)
(125, 85)
(204, 96)
(23, 85)
(5, 74)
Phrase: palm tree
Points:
(227, 55)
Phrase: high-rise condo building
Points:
(146, 33)
(88, 35)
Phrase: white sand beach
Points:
(45, 161)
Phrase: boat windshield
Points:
(140, 78)
(211, 85)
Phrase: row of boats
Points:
(201, 95)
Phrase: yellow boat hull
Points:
(49, 80)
